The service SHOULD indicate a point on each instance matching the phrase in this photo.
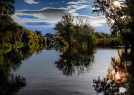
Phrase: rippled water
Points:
(44, 78)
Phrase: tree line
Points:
(68, 32)
(12, 35)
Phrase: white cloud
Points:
(78, 2)
(93, 21)
(31, 2)
(73, 8)
(53, 15)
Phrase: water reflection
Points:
(119, 79)
(10, 83)
(74, 60)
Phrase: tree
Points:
(65, 28)
(119, 17)
(84, 32)
(38, 33)
(7, 8)
(49, 35)
(80, 32)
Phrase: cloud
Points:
(37, 23)
(73, 8)
(53, 15)
(31, 2)
(27, 16)
(93, 21)
(77, 2)
(50, 15)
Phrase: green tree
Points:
(65, 28)
(12, 34)
(84, 32)
(79, 32)
(38, 32)
(120, 18)
(7, 8)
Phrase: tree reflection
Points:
(74, 59)
(119, 79)
(10, 83)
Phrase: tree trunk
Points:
(126, 47)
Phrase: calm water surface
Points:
(44, 78)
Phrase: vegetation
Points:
(75, 59)
(120, 18)
(74, 34)
(121, 72)
(13, 35)
(82, 34)
(107, 40)
(11, 60)
(118, 76)
(68, 33)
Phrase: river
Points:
(44, 78)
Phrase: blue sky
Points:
(44, 14)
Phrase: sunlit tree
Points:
(120, 18)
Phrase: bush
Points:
(108, 42)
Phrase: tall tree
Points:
(6, 7)
(65, 28)
(120, 17)
(84, 32)
(6, 10)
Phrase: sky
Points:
(42, 15)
